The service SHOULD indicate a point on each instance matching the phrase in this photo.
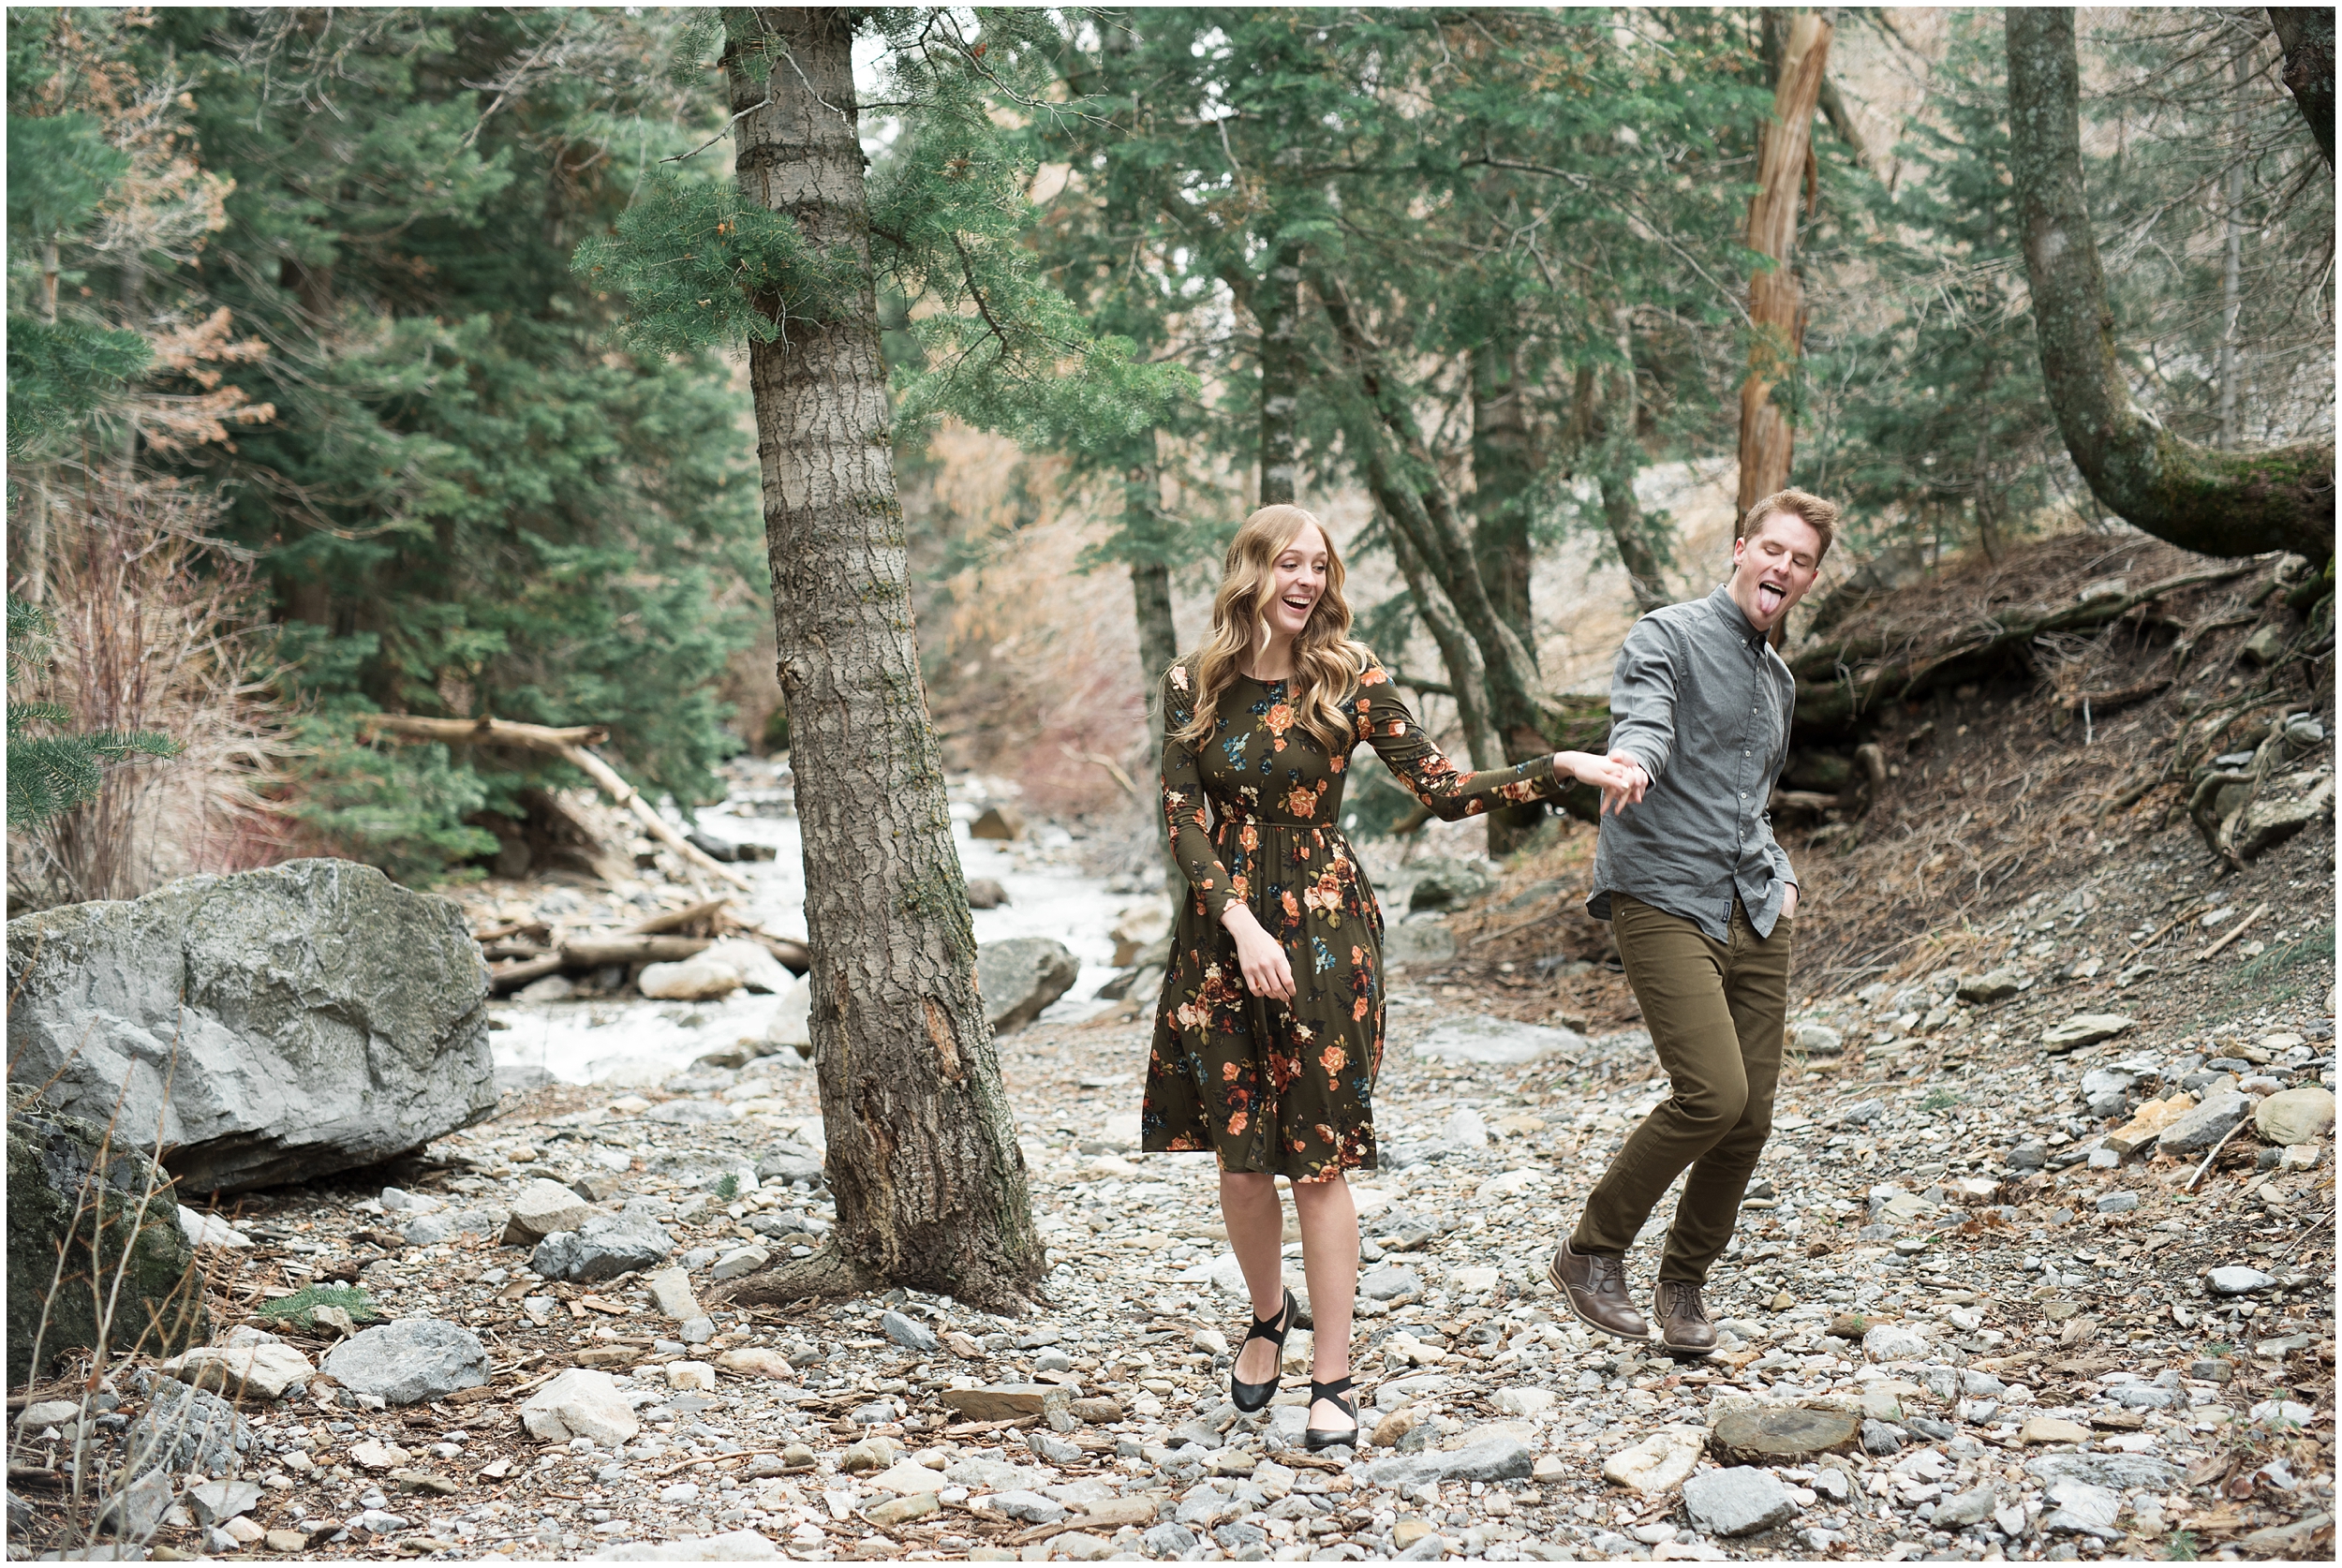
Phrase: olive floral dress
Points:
(1270, 1086)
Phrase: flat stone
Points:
(738, 1262)
(670, 1293)
(580, 1403)
(1893, 1343)
(756, 1361)
(2083, 1028)
(1973, 1506)
(1498, 1041)
(695, 1376)
(1774, 1434)
(2052, 1428)
(902, 1510)
(268, 1369)
(739, 1545)
(908, 1332)
(1741, 1501)
(2147, 1123)
(1390, 1281)
(1030, 1507)
(542, 1208)
(1408, 943)
(1495, 1455)
(1991, 986)
(694, 979)
(2236, 1279)
(909, 1476)
(603, 1248)
(2118, 1203)
(409, 1362)
(1817, 1040)
(1525, 1401)
(2221, 1109)
(2295, 1115)
(184, 1429)
(1658, 1463)
(1020, 977)
(217, 1501)
(1012, 1401)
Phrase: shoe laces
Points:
(1683, 1301)
(1604, 1272)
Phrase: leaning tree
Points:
(2203, 498)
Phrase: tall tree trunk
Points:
(2232, 263)
(2305, 34)
(1504, 468)
(1277, 307)
(1158, 637)
(1618, 459)
(1405, 483)
(1776, 302)
(1466, 674)
(923, 1155)
(2197, 498)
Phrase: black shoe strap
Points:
(1273, 1329)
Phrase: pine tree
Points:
(50, 775)
(921, 1146)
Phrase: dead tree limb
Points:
(570, 745)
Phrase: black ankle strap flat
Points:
(1250, 1397)
(1320, 1437)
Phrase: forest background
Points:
(354, 368)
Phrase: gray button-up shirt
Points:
(1701, 701)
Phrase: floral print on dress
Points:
(1253, 815)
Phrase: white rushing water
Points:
(636, 1041)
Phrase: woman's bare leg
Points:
(1256, 1222)
(1330, 1255)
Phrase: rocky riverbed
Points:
(2020, 1341)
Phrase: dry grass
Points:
(155, 631)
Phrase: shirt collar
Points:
(1735, 619)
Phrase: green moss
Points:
(300, 1308)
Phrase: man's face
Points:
(1772, 566)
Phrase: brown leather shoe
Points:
(1594, 1285)
(1683, 1326)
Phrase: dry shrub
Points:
(156, 628)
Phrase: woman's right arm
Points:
(1183, 802)
(1267, 972)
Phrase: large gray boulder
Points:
(1021, 976)
(271, 1026)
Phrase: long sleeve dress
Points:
(1269, 1086)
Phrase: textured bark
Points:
(1157, 647)
(2305, 34)
(2198, 497)
(1467, 676)
(1504, 469)
(923, 1157)
(1277, 308)
(1504, 466)
(1776, 302)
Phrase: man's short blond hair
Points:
(1819, 514)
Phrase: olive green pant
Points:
(1716, 1010)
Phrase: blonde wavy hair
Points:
(1327, 662)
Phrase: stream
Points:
(635, 1042)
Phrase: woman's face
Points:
(1298, 581)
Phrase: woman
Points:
(1269, 1033)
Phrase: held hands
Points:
(1267, 971)
(1618, 776)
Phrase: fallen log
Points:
(570, 745)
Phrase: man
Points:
(1700, 900)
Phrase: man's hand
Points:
(1789, 901)
(1631, 781)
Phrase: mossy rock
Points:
(68, 1190)
(1772, 1435)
